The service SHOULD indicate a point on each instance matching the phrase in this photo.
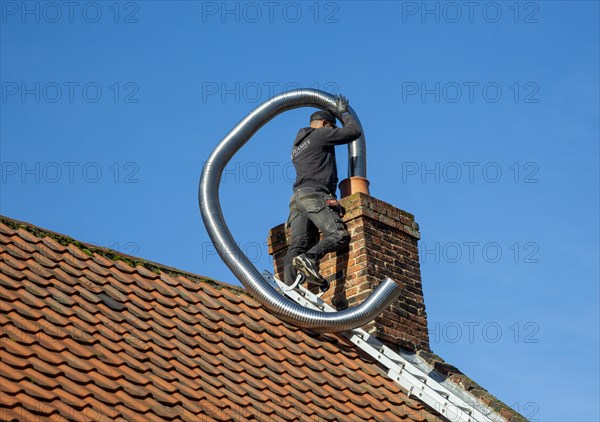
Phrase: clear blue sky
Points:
(481, 119)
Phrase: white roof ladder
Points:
(455, 406)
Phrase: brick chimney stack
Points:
(383, 244)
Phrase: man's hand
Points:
(341, 105)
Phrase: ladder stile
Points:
(406, 374)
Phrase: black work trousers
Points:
(309, 215)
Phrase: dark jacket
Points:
(313, 153)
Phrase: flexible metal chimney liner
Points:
(234, 258)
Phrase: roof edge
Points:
(449, 372)
(113, 255)
(444, 370)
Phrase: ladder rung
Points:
(402, 371)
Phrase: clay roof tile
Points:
(92, 334)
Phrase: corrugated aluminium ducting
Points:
(239, 264)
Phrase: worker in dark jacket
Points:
(313, 206)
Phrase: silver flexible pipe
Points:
(212, 215)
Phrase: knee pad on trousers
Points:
(341, 239)
(344, 239)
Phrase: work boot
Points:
(308, 267)
(324, 286)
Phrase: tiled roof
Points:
(89, 334)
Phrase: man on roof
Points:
(313, 206)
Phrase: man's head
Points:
(322, 118)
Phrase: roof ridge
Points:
(114, 255)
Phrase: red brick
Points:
(383, 244)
